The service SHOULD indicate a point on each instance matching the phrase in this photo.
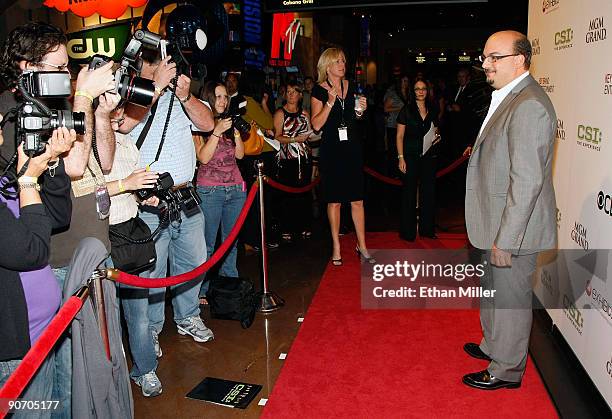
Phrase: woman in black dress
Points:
(334, 113)
(418, 169)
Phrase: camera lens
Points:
(137, 90)
(70, 120)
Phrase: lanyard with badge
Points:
(342, 129)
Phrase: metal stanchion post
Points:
(96, 281)
(269, 300)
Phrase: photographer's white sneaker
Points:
(194, 327)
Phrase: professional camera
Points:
(238, 121)
(163, 184)
(128, 84)
(35, 121)
(173, 200)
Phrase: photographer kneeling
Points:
(29, 294)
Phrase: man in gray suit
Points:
(510, 206)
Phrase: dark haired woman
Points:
(292, 130)
(414, 121)
(220, 184)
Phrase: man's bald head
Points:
(519, 42)
(508, 55)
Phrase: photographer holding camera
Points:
(183, 236)
(30, 296)
(40, 47)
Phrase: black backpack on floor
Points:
(232, 299)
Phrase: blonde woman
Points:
(334, 114)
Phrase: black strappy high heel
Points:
(367, 259)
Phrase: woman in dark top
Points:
(340, 162)
(29, 293)
(413, 122)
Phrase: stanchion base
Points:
(270, 302)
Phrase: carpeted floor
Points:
(349, 362)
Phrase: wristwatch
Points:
(29, 185)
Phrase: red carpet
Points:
(348, 362)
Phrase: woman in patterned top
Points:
(292, 130)
(220, 184)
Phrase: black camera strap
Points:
(147, 126)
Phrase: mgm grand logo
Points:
(546, 280)
(535, 46)
(579, 235)
(596, 32)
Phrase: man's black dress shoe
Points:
(429, 236)
(473, 350)
(483, 380)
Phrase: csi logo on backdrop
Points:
(563, 39)
(560, 130)
(579, 235)
(597, 31)
(589, 137)
(535, 46)
(550, 5)
(546, 84)
(573, 314)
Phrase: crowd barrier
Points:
(20, 378)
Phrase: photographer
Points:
(183, 238)
(30, 295)
(41, 47)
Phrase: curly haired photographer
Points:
(30, 296)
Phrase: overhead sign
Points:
(288, 5)
(109, 40)
(110, 9)
(285, 29)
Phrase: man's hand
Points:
(61, 141)
(164, 73)
(151, 202)
(182, 87)
(500, 258)
(108, 103)
(467, 151)
(97, 81)
(140, 179)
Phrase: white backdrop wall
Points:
(572, 43)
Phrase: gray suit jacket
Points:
(510, 200)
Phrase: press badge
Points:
(343, 133)
(103, 202)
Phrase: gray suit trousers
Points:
(506, 319)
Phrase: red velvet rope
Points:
(382, 177)
(20, 378)
(291, 189)
(398, 182)
(137, 281)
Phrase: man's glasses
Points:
(494, 58)
(58, 67)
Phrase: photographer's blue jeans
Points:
(135, 303)
(182, 245)
(221, 206)
(40, 387)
